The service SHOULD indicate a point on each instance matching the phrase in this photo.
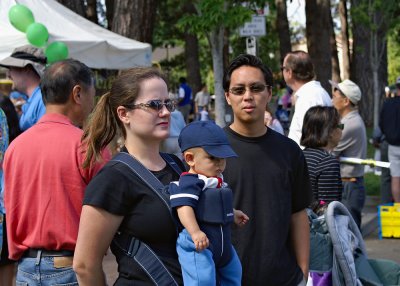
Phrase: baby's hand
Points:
(200, 240)
(240, 217)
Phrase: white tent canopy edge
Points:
(87, 42)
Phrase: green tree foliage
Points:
(394, 55)
(211, 20)
(168, 34)
(372, 21)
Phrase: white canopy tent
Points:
(87, 42)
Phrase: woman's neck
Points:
(147, 153)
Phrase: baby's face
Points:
(206, 164)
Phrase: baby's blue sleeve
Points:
(187, 191)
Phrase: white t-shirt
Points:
(309, 95)
(202, 98)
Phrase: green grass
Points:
(372, 184)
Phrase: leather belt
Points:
(33, 253)
(353, 179)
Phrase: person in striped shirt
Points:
(321, 133)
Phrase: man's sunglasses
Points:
(254, 88)
(155, 104)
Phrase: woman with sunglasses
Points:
(120, 209)
(321, 132)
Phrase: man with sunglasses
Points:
(269, 180)
(298, 72)
(353, 143)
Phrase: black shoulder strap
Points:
(145, 257)
(145, 175)
(138, 250)
(167, 157)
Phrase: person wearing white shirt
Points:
(298, 72)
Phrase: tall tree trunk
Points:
(109, 13)
(192, 55)
(368, 68)
(192, 62)
(345, 39)
(282, 25)
(78, 6)
(226, 61)
(135, 19)
(216, 40)
(226, 48)
(334, 57)
(318, 40)
(91, 11)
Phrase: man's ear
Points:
(289, 73)
(347, 101)
(76, 94)
(188, 156)
(269, 96)
(227, 98)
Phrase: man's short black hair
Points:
(60, 78)
(247, 60)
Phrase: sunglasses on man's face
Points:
(254, 88)
(155, 104)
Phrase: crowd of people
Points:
(221, 206)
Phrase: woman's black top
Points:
(145, 216)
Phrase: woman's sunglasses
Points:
(155, 104)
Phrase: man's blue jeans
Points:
(354, 198)
(42, 271)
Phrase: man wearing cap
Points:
(298, 72)
(269, 180)
(389, 122)
(26, 66)
(353, 143)
(45, 181)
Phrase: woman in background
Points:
(271, 122)
(321, 133)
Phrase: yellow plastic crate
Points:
(389, 220)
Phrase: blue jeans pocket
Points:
(30, 272)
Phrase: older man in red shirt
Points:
(45, 181)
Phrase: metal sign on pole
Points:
(256, 27)
(252, 30)
(251, 46)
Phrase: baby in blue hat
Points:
(204, 205)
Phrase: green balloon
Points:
(56, 51)
(20, 17)
(37, 34)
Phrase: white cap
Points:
(349, 89)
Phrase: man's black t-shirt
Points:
(270, 182)
(389, 120)
(145, 216)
